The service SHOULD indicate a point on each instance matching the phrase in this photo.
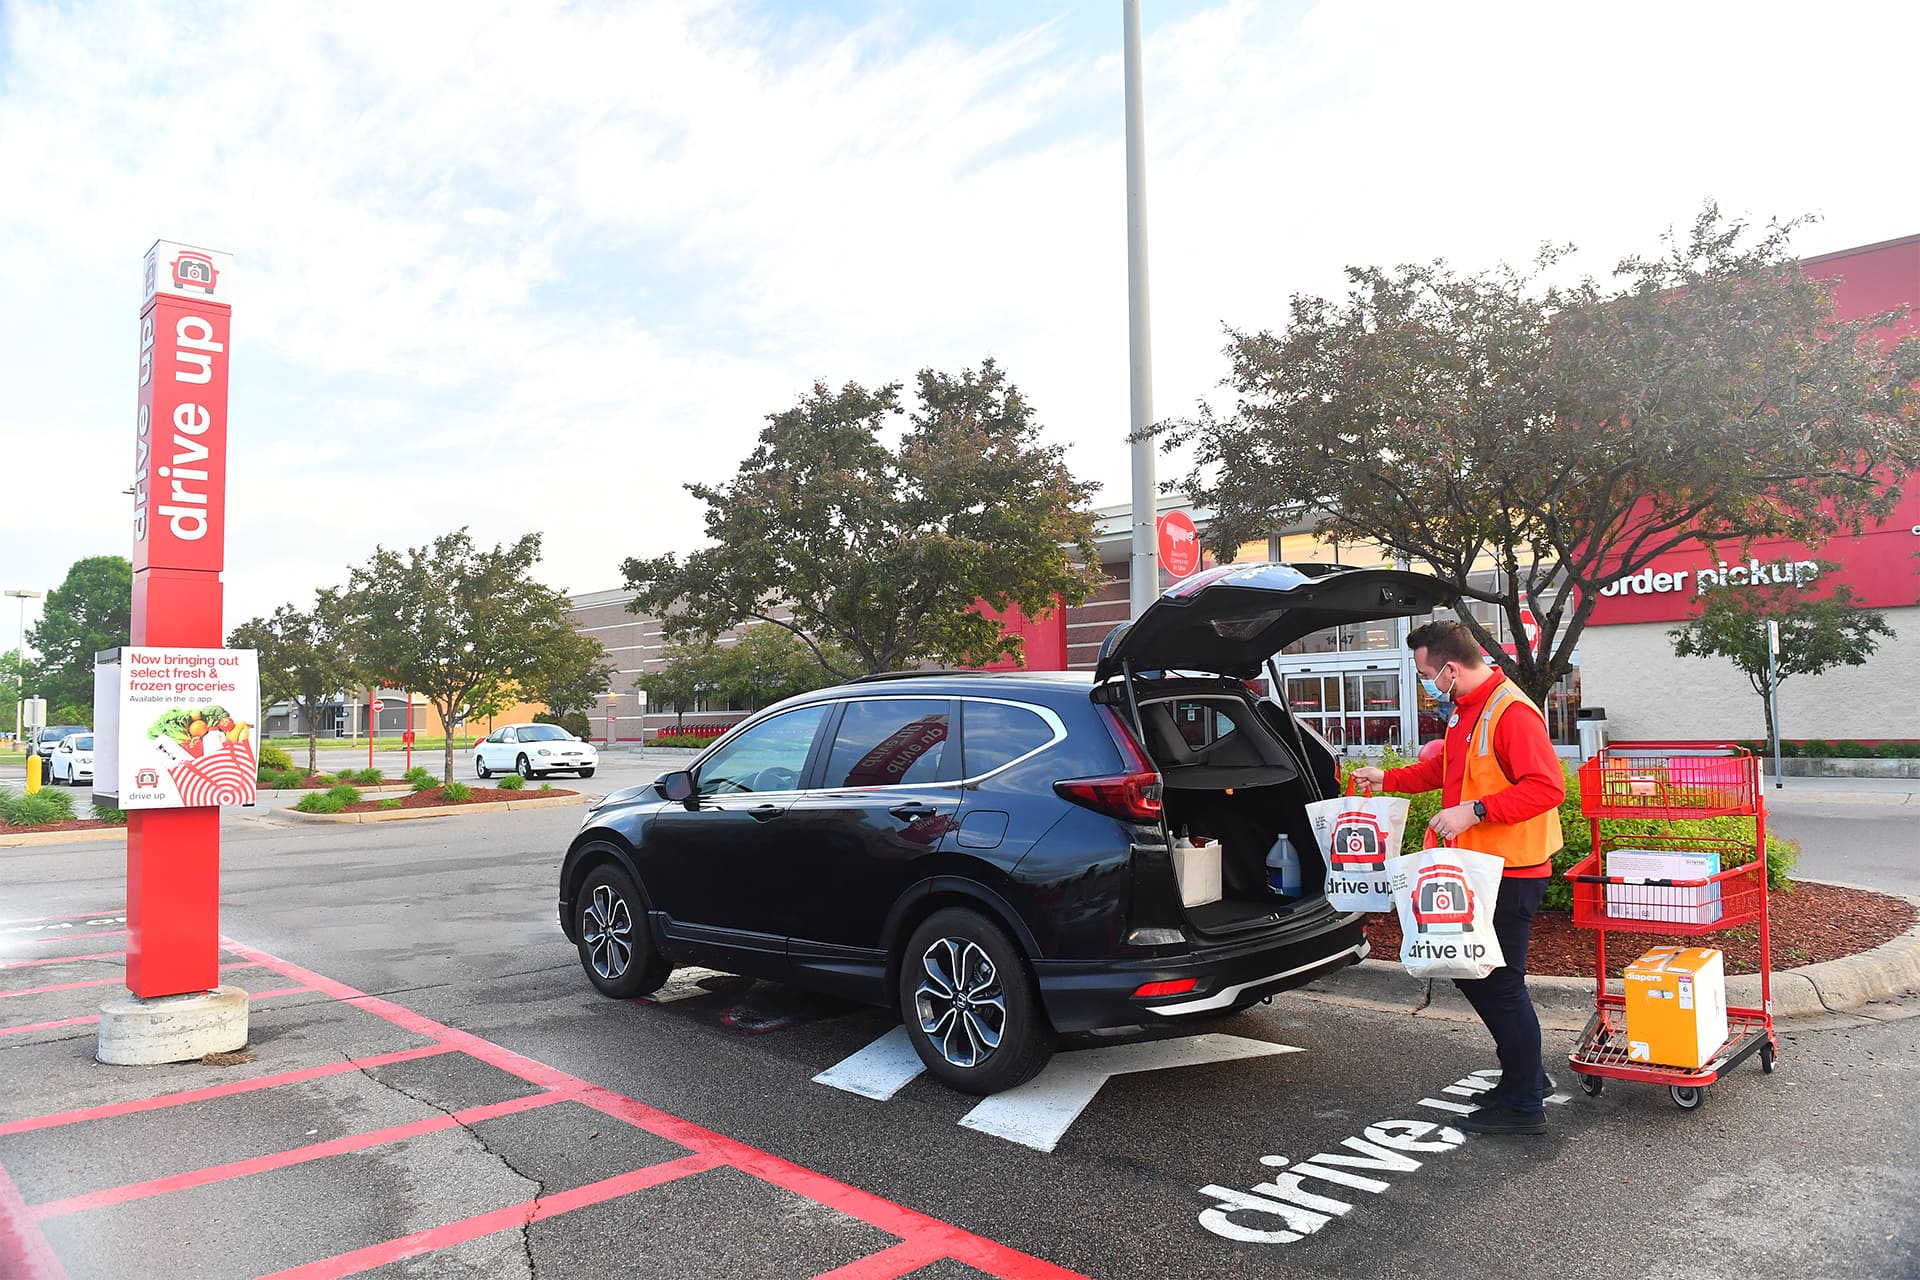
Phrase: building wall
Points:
(1631, 671)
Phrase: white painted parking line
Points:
(684, 984)
(1039, 1113)
(880, 1070)
(1453, 1108)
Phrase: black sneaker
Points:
(1501, 1120)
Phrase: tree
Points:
(91, 610)
(766, 664)
(10, 691)
(883, 552)
(571, 675)
(690, 668)
(454, 622)
(1816, 634)
(1568, 435)
(304, 657)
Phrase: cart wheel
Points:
(1687, 1097)
(1766, 1057)
(1592, 1086)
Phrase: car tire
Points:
(480, 769)
(586, 773)
(983, 1032)
(524, 767)
(615, 943)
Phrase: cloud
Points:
(528, 266)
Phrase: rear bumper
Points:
(1083, 995)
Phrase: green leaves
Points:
(89, 611)
(874, 556)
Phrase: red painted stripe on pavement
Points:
(888, 1264)
(109, 1110)
(298, 1155)
(24, 1251)
(975, 1251)
(511, 1218)
(104, 982)
(28, 964)
(75, 1022)
(75, 937)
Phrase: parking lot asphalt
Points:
(442, 1094)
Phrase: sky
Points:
(533, 267)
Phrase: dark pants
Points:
(1501, 997)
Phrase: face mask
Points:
(1433, 690)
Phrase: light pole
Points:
(20, 652)
(1144, 565)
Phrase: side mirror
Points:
(675, 786)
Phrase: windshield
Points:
(545, 733)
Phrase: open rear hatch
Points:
(1236, 769)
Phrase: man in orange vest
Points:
(1501, 786)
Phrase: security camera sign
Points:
(186, 733)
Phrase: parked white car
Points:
(72, 761)
(531, 750)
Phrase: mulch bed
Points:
(72, 824)
(436, 797)
(1810, 924)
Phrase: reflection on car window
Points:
(993, 733)
(544, 733)
(889, 741)
(1201, 723)
(771, 756)
(83, 744)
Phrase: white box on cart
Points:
(1695, 905)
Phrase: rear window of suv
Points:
(995, 733)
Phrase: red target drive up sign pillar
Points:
(179, 550)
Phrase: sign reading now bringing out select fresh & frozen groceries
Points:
(176, 728)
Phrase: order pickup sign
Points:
(176, 728)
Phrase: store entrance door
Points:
(1357, 705)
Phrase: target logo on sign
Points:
(226, 776)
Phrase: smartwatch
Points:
(1480, 810)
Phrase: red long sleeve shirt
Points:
(1525, 753)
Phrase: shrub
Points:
(546, 786)
(321, 802)
(574, 722)
(107, 813)
(391, 802)
(366, 777)
(274, 758)
(512, 782)
(1898, 751)
(417, 775)
(1816, 748)
(458, 791)
(680, 740)
(1852, 750)
(1789, 750)
(345, 793)
(39, 809)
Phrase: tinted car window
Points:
(992, 733)
(545, 733)
(771, 756)
(889, 741)
(83, 744)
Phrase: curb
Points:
(26, 838)
(439, 810)
(1887, 972)
(1844, 797)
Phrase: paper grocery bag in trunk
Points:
(1445, 897)
(1357, 835)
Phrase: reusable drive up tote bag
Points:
(1445, 897)
(1357, 835)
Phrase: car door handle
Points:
(912, 812)
(767, 812)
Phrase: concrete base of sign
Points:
(144, 1033)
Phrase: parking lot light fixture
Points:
(22, 594)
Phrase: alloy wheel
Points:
(607, 927)
(959, 1001)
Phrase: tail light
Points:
(1133, 795)
(1176, 987)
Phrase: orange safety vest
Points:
(1518, 844)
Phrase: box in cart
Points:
(1699, 904)
(1197, 867)
(1676, 1007)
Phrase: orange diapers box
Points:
(1676, 1007)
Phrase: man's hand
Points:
(1368, 779)
(1449, 823)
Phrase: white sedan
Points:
(531, 750)
(72, 761)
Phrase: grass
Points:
(511, 782)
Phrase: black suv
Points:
(992, 853)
